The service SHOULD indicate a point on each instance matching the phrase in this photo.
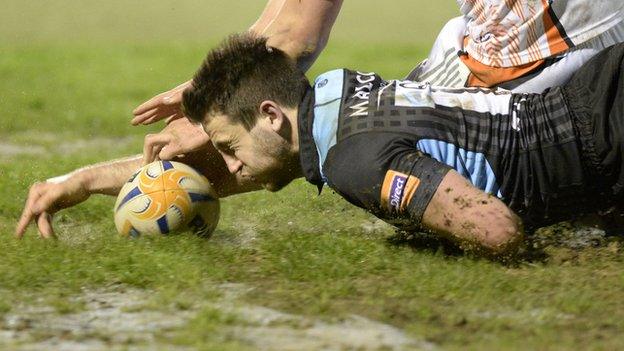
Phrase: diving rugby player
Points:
(458, 162)
(466, 164)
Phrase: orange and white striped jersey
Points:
(511, 33)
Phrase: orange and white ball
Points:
(165, 197)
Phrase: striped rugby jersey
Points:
(386, 145)
(517, 32)
(449, 65)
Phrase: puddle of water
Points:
(106, 323)
(113, 319)
(47, 143)
(269, 329)
(533, 316)
(13, 150)
(286, 332)
(80, 145)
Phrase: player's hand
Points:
(179, 137)
(47, 198)
(166, 105)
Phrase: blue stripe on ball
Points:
(199, 226)
(129, 196)
(163, 225)
(200, 197)
(134, 233)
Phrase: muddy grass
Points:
(117, 318)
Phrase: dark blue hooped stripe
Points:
(134, 233)
(166, 165)
(129, 196)
(163, 225)
(134, 176)
(200, 197)
(197, 222)
(200, 227)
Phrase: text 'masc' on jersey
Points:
(386, 145)
(383, 172)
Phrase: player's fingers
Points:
(173, 117)
(148, 146)
(156, 152)
(164, 112)
(148, 152)
(155, 118)
(44, 224)
(172, 99)
(165, 99)
(28, 214)
(23, 223)
(150, 104)
(174, 96)
(161, 113)
(46, 203)
(169, 151)
(140, 118)
(152, 143)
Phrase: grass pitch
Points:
(71, 73)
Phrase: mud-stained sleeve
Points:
(385, 174)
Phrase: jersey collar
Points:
(308, 155)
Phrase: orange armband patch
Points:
(397, 190)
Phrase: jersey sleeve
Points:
(385, 174)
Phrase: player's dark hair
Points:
(238, 75)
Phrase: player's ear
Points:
(273, 115)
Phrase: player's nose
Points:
(233, 164)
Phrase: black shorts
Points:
(595, 97)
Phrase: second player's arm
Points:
(300, 28)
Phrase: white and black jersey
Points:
(386, 145)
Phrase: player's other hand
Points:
(45, 199)
(179, 137)
(166, 105)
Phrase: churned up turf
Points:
(281, 268)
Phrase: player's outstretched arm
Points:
(466, 214)
(299, 28)
(46, 198)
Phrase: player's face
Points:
(260, 155)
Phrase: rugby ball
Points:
(166, 197)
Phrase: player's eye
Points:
(224, 146)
